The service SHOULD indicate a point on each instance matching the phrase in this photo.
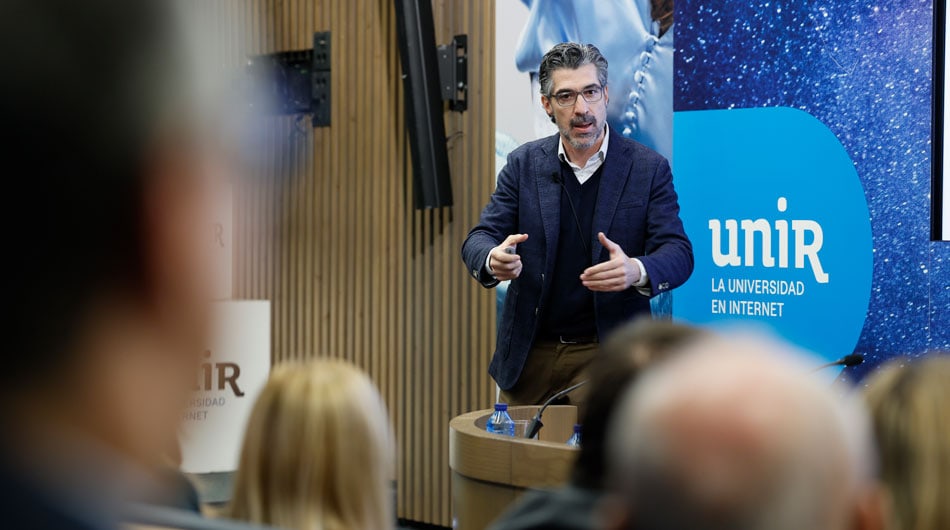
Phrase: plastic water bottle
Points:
(575, 439)
(500, 422)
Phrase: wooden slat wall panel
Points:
(330, 236)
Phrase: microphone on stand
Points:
(536, 424)
(849, 360)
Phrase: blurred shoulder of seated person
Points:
(910, 402)
(735, 433)
(626, 353)
(106, 277)
(318, 452)
(175, 488)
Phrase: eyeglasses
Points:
(567, 98)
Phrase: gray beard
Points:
(581, 143)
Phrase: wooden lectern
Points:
(489, 471)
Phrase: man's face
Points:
(580, 123)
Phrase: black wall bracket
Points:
(453, 72)
(320, 84)
(295, 82)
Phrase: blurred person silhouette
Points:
(628, 351)
(909, 402)
(176, 490)
(105, 209)
(733, 433)
(318, 452)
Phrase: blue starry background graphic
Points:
(864, 69)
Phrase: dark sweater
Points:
(570, 308)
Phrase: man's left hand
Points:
(616, 274)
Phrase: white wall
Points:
(512, 89)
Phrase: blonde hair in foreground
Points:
(909, 401)
(318, 452)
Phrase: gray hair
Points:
(570, 55)
(673, 442)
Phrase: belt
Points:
(568, 339)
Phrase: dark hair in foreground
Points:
(626, 353)
(84, 86)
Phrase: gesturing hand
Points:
(505, 266)
(616, 274)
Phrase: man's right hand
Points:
(501, 264)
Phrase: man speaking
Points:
(586, 224)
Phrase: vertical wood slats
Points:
(330, 236)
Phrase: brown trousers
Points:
(552, 366)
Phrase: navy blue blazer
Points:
(636, 208)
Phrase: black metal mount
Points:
(296, 82)
(453, 72)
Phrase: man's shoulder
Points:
(25, 506)
(635, 148)
(542, 145)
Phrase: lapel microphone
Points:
(556, 177)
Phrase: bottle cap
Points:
(501, 406)
(577, 427)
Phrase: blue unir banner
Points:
(779, 225)
(802, 156)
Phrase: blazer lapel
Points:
(616, 168)
(549, 195)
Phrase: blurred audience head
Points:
(735, 434)
(107, 209)
(625, 354)
(909, 402)
(318, 452)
